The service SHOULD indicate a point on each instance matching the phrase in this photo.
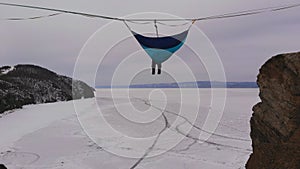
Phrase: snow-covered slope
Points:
(29, 84)
(49, 136)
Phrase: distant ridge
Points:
(198, 84)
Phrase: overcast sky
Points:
(243, 44)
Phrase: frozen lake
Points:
(138, 128)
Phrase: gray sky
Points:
(243, 44)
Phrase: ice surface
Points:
(49, 136)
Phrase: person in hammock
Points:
(160, 49)
(154, 67)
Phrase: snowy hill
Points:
(29, 84)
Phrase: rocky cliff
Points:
(2, 166)
(275, 122)
(29, 84)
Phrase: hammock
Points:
(161, 49)
(158, 48)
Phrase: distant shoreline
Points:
(192, 85)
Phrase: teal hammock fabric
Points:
(161, 49)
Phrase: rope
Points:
(142, 23)
(249, 12)
(227, 15)
(31, 18)
(156, 28)
(127, 26)
(63, 11)
(176, 25)
(173, 25)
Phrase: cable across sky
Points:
(220, 16)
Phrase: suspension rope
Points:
(227, 15)
(156, 28)
(249, 12)
(142, 23)
(63, 11)
(31, 18)
(173, 25)
(127, 26)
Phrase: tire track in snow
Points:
(196, 127)
(208, 142)
(195, 140)
(167, 125)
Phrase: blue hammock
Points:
(161, 49)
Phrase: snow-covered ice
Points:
(50, 136)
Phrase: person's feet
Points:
(158, 71)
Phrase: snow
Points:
(50, 136)
(8, 70)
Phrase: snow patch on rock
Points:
(7, 69)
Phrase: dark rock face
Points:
(29, 84)
(2, 166)
(275, 124)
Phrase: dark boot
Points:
(159, 71)
(153, 71)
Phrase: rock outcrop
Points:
(28, 84)
(275, 122)
(2, 166)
